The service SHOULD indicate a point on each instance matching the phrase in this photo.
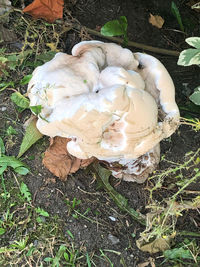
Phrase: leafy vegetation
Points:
(190, 57)
(117, 27)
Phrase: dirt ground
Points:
(108, 227)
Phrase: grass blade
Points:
(104, 174)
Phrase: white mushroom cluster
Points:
(115, 105)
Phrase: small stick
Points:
(134, 44)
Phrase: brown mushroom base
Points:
(136, 170)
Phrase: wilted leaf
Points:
(58, 161)
(20, 100)
(115, 27)
(32, 135)
(157, 245)
(189, 57)
(156, 21)
(195, 98)
(49, 10)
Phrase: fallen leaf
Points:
(49, 10)
(157, 245)
(32, 135)
(58, 160)
(144, 264)
(156, 21)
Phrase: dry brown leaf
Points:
(59, 162)
(144, 264)
(157, 245)
(156, 21)
(49, 10)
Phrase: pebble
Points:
(3, 109)
(113, 239)
(112, 218)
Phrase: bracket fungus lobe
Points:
(107, 100)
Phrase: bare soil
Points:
(97, 230)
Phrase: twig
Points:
(130, 43)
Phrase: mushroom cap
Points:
(106, 124)
(160, 85)
(115, 54)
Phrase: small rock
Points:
(113, 239)
(3, 109)
(112, 218)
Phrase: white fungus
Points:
(109, 101)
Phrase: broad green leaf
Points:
(115, 27)
(25, 192)
(36, 109)
(2, 231)
(22, 170)
(104, 174)
(32, 135)
(197, 89)
(20, 100)
(26, 79)
(11, 161)
(42, 212)
(193, 41)
(2, 147)
(195, 98)
(177, 15)
(178, 253)
(189, 57)
(123, 22)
